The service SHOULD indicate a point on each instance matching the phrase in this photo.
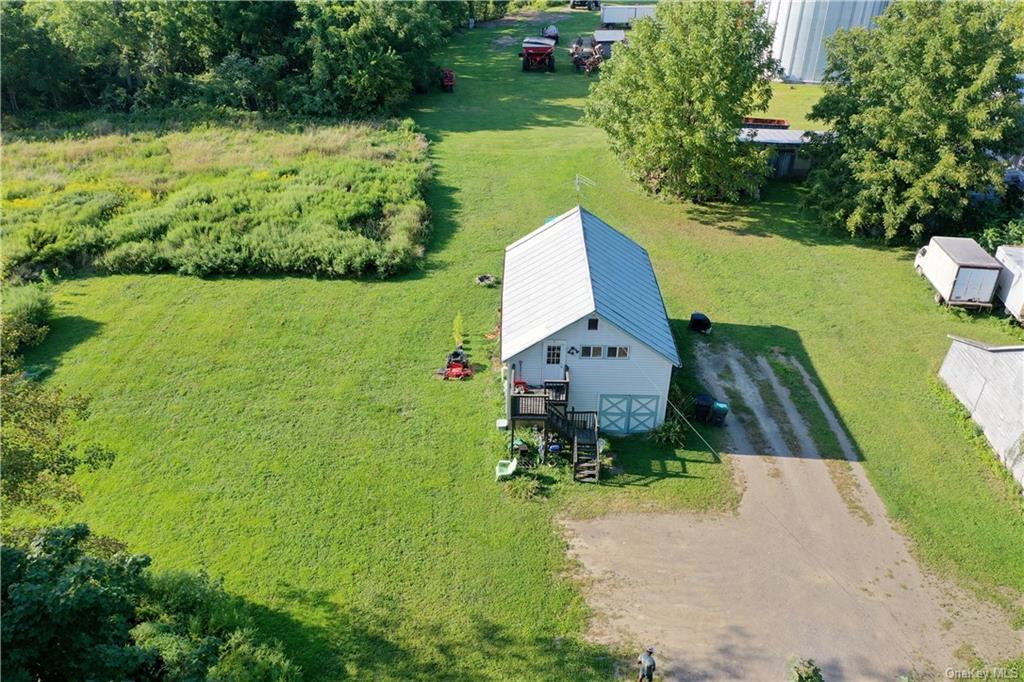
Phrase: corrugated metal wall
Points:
(989, 381)
(801, 27)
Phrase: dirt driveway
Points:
(810, 565)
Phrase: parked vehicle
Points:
(604, 39)
(624, 15)
(585, 55)
(551, 32)
(1010, 285)
(538, 53)
(585, 4)
(962, 272)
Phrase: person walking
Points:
(646, 665)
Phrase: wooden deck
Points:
(576, 431)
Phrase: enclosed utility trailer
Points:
(962, 272)
(1010, 285)
(624, 15)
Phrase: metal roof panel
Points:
(576, 265)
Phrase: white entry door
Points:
(553, 359)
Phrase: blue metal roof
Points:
(576, 265)
(625, 289)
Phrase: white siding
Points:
(939, 269)
(1010, 286)
(644, 372)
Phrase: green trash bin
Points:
(718, 412)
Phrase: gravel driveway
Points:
(810, 566)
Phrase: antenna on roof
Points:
(581, 182)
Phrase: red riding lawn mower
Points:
(538, 53)
(457, 367)
(447, 80)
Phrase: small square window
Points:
(585, 351)
(553, 355)
(592, 324)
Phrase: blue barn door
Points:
(628, 413)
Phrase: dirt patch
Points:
(809, 565)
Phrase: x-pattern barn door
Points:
(628, 413)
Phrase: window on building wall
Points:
(591, 351)
(592, 324)
(553, 355)
(618, 351)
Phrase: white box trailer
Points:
(962, 272)
(622, 15)
(1010, 285)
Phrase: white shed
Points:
(962, 272)
(1010, 285)
(989, 381)
(582, 313)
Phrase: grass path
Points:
(286, 432)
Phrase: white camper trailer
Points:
(962, 273)
(1010, 285)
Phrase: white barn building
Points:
(584, 327)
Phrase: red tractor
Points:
(538, 53)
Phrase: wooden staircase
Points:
(578, 430)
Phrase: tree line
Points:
(919, 114)
(302, 57)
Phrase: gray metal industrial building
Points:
(802, 27)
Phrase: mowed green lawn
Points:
(286, 433)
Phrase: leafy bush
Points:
(24, 314)
(672, 432)
(30, 304)
(72, 614)
(329, 201)
(41, 448)
(996, 235)
(804, 670)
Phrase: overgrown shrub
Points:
(73, 614)
(804, 670)
(29, 304)
(672, 432)
(329, 201)
(998, 234)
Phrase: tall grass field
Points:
(326, 200)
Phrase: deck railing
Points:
(529, 406)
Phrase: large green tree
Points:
(321, 57)
(75, 608)
(673, 98)
(915, 109)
